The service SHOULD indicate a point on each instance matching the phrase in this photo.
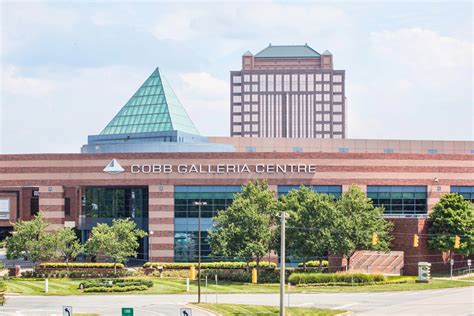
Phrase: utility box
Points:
(424, 272)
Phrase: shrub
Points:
(314, 264)
(115, 283)
(209, 265)
(241, 275)
(81, 265)
(98, 289)
(82, 274)
(316, 278)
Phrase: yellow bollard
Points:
(192, 273)
(254, 276)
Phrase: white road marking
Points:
(345, 306)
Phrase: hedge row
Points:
(75, 274)
(351, 284)
(314, 264)
(82, 265)
(240, 275)
(115, 283)
(209, 265)
(315, 278)
(116, 289)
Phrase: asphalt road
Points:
(457, 301)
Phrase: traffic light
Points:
(457, 241)
(416, 240)
(375, 239)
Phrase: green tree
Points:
(67, 245)
(30, 241)
(310, 224)
(3, 288)
(357, 219)
(452, 216)
(118, 241)
(243, 230)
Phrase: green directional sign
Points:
(127, 311)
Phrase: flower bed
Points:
(209, 265)
(333, 278)
(115, 285)
(79, 265)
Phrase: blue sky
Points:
(68, 67)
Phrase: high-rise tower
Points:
(290, 92)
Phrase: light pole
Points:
(282, 264)
(199, 204)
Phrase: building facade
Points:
(157, 190)
(288, 92)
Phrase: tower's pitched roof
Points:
(288, 51)
(153, 108)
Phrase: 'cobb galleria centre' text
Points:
(223, 168)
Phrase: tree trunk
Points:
(67, 266)
(348, 260)
(115, 267)
(258, 263)
(304, 265)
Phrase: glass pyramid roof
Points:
(153, 108)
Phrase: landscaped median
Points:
(251, 310)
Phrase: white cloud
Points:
(422, 49)
(15, 83)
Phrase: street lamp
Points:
(282, 262)
(199, 204)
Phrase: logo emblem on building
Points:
(113, 167)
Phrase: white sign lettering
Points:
(222, 168)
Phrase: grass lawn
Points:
(469, 278)
(178, 286)
(237, 309)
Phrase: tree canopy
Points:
(452, 216)
(30, 241)
(243, 230)
(118, 241)
(357, 219)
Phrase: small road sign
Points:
(186, 312)
(127, 311)
(67, 310)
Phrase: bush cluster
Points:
(99, 289)
(316, 278)
(241, 275)
(314, 264)
(115, 285)
(209, 265)
(75, 274)
(81, 265)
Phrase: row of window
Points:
(270, 87)
(287, 78)
(317, 107)
(318, 97)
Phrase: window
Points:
(297, 149)
(250, 149)
(337, 118)
(319, 117)
(263, 81)
(237, 118)
(327, 127)
(337, 88)
(388, 150)
(337, 108)
(5, 208)
(319, 87)
(327, 97)
(218, 198)
(319, 127)
(254, 78)
(246, 118)
(327, 87)
(237, 89)
(254, 118)
(327, 77)
(432, 151)
(237, 108)
(278, 83)
(344, 150)
(246, 88)
(337, 78)
(254, 107)
(246, 78)
(34, 206)
(334, 190)
(399, 200)
(286, 82)
(319, 77)
(247, 107)
(337, 98)
(337, 128)
(247, 97)
(237, 79)
(466, 191)
(237, 128)
(254, 97)
(116, 202)
(327, 107)
(294, 82)
(327, 117)
(255, 88)
(67, 206)
(237, 99)
(302, 82)
(319, 97)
